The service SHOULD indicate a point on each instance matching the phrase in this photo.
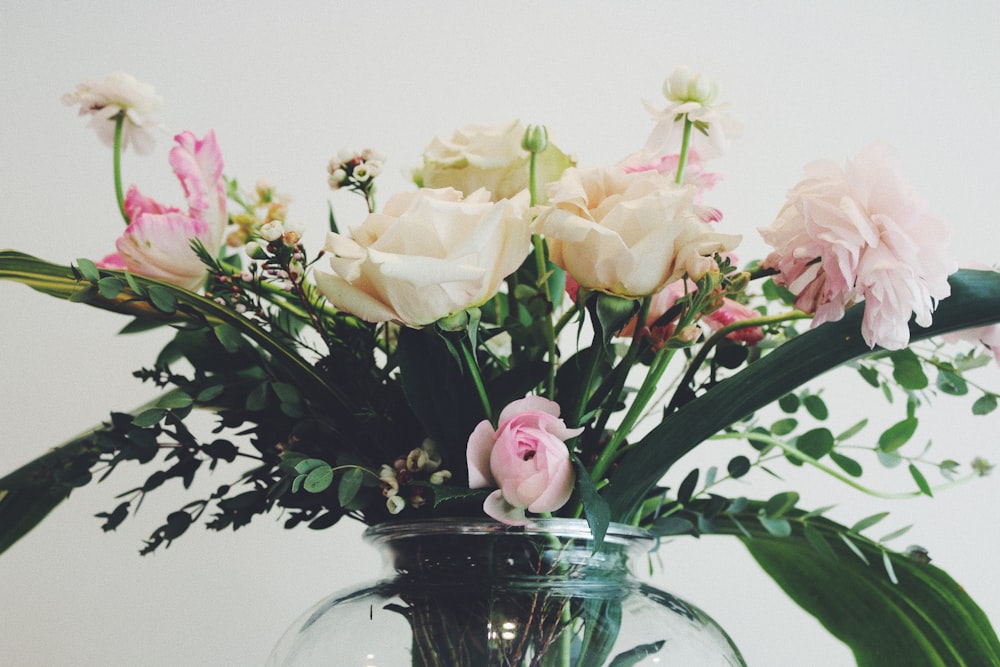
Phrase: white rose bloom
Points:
(120, 92)
(627, 234)
(429, 254)
(487, 156)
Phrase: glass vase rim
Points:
(617, 533)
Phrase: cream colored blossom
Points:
(487, 156)
(429, 254)
(627, 234)
(119, 93)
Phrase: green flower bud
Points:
(536, 139)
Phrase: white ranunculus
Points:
(627, 234)
(429, 254)
(120, 93)
(487, 156)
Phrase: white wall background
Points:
(284, 89)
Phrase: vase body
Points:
(470, 593)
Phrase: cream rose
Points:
(627, 234)
(487, 156)
(429, 254)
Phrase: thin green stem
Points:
(685, 146)
(477, 378)
(805, 458)
(719, 335)
(117, 151)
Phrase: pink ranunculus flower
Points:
(526, 457)
(157, 242)
(861, 233)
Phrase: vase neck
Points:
(549, 549)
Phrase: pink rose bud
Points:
(526, 457)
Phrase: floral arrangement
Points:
(497, 341)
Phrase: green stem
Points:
(117, 151)
(619, 375)
(473, 367)
(685, 145)
(805, 458)
(717, 337)
(541, 268)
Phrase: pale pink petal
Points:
(112, 262)
(478, 454)
(159, 246)
(198, 165)
(495, 506)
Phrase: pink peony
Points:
(526, 457)
(861, 233)
(157, 242)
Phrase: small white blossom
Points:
(396, 504)
(272, 231)
(119, 93)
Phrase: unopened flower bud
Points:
(415, 460)
(690, 333)
(440, 477)
(536, 139)
(395, 504)
(683, 85)
(255, 251)
(739, 282)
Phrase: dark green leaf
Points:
(847, 464)
(175, 400)
(229, 336)
(897, 435)
(738, 466)
(209, 393)
(784, 426)
(952, 383)
(162, 299)
(88, 270)
(816, 443)
(851, 432)
(869, 374)
(816, 406)
(672, 525)
(318, 479)
(921, 481)
(687, 487)
(149, 417)
(789, 403)
(924, 619)
(780, 503)
(985, 404)
(868, 522)
(349, 485)
(110, 287)
(776, 527)
(595, 508)
(306, 466)
(818, 542)
(906, 369)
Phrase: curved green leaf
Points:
(173, 305)
(974, 301)
(923, 618)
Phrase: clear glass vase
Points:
(471, 593)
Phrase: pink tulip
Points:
(157, 242)
(526, 457)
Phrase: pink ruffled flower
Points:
(730, 313)
(526, 457)
(861, 233)
(157, 242)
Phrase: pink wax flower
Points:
(526, 457)
(861, 233)
(157, 242)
